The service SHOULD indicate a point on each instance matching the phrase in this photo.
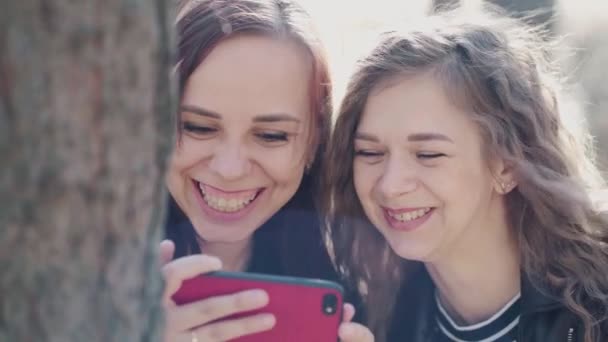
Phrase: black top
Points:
(543, 317)
(274, 238)
(181, 231)
(501, 327)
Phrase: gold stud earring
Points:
(506, 186)
(308, 167)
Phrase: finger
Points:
(231, 329)
(349, 312)
(178, 270)
(354, 332)
(195, 314)
(167, 249)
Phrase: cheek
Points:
(461, 188)
(179, 161)
(174, 180)
(363, 179)
(285, 164)
(176, 160)
(188, 153)
(447, 183)
(282, 165)
(472, 177)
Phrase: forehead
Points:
(411, 105)
(251, 74)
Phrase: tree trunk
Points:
(85, 129)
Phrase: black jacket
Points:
(543, 319)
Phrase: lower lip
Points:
(407, 226)
(221, 216)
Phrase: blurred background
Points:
(349, 26)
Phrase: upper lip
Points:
(402, 210)
(232, 192)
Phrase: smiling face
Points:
(245, 136)
(420, 172)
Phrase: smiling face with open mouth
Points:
(420, 172)
(244, 140)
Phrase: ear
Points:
(504, 178)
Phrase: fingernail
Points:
(268, 320)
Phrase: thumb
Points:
(167, 249)
(348, 313)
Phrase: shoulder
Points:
(556, 324)
(547, 318)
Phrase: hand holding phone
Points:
(198, 320)
(304, 309)
(353, 332)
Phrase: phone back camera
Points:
(330, 304)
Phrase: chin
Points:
(411, 251)
(211, 232)
(213, 237)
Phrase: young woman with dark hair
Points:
(255, 112)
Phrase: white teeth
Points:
(411, 215)
(226, 205)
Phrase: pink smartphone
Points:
(305, 309)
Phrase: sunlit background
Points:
(349, 27)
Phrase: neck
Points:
(234, 255)
(481, 276)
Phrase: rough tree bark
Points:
(85, 128)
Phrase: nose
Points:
(397, 179)
(230, 161)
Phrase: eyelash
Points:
(367, 153)
(374, 154)
(190, 127)
(267, 137)
(429, 155)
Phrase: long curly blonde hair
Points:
(498, 68)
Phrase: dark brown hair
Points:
(498, 69)
(203, 24)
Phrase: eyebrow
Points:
(366, 137)
(416, 137)
(200, 111)
(428, 137)
(274, 117)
